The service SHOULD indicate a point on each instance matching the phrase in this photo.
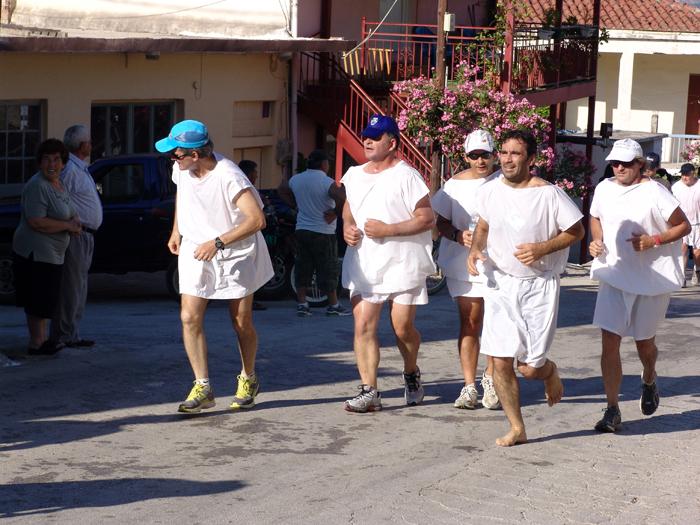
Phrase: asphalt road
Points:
(92, 435)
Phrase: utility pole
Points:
(440, 84)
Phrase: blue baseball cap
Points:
(187, 134)
(380, 124)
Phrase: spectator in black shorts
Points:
(40, 242)
(317, 198)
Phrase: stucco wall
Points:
(70, 83)
(660, 87)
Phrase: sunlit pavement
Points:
(92, 435)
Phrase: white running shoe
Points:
(468, 397)
(490, 399)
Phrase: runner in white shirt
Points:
(528, 225)
(455, 206)
(387, 222)
(687, 191)
(635, 226)
(221, 254)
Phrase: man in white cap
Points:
(635, 228)
(74, 281)
(221, 255)
(387, 222)
(687, 191)
(527, 224)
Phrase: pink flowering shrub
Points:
(691, 153)
(446, 117)
(572, 172)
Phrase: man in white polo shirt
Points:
(387, 222)
(635, 229)
(687, 191)
(527, 224)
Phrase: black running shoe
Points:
(611, 422)
(649, 401)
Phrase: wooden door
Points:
(692, 119)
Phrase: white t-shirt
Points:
(456, 202)
(206, 209)
(689, 198)
(391, 264)
(525, 215)
(77, 180)
(310, 189)
(622, 211)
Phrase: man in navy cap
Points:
(221, 254)
(387, 221)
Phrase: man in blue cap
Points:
(387, 221)
(221, 254)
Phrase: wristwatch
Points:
(454, 235)
(219, 244)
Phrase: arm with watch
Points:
(254, 221)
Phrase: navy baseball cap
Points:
(380, 124)
(187, 134)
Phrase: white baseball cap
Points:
(478, 140)
(625, 150)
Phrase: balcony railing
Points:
(402, 51)
(545, 58)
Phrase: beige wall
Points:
(347, 15)
(70, 83)
(660, 87)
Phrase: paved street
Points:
(92, 435)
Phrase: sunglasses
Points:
(173, 156)
(486, 155)
(617, 163)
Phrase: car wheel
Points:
(7, 279)
(172, 280)
(277, 287)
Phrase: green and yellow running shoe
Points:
(200, 397)
(245, 393)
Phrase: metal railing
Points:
(360, 108)
(673, 146)
(403, 51)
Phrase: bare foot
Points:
(553, 387)
(513, 437)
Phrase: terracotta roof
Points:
(647, 15)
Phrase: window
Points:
(121, 128)
(20, 135)
(120, 183)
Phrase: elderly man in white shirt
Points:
(74, 282)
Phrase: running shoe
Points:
(611, 422)
(414, 392)
(368, 400)
(338, 310)
(649, 401)
(303, 310)
(490, 399)
(200, 397)
(245, 393)
(694, 279)
(468, 397)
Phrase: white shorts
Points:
(693, 238)
(458, 288)
(624, 313)
(219, 278)
(415, 296)
(520, 319)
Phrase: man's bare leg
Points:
(366, 342)
(611, 366)
(407, 337)
(553, 387)
(508, 391)
(241, 311)
(192, 316)
(647, 351)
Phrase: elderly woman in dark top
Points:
(40, 242)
